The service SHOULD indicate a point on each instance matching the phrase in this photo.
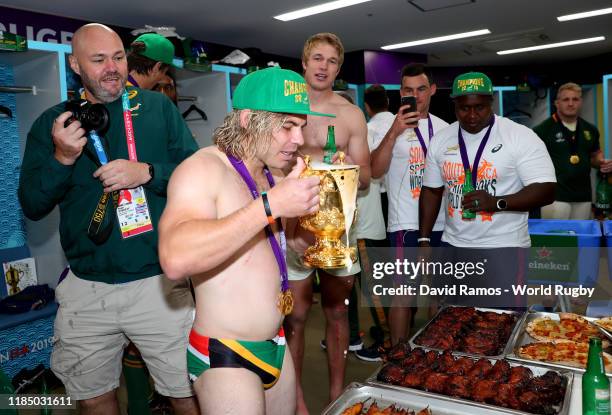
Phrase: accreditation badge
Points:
(133, 212)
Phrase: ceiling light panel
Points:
(584, 15)
(437, 39)
(430, 5)
(552, 45)
(320, 8)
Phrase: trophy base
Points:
(329, 254)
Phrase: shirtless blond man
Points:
(322, 58)
(222, 228)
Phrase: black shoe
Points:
(354, 345)
(377, 334)
(370, 354)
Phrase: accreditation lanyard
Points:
(279, 252)
(464, 156)
(420, 136)
(134, 218)
(129, 133)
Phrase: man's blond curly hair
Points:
(245, 143)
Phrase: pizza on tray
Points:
(570, 327)
(605, 323)
(562, 352)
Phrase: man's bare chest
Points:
(316, 131)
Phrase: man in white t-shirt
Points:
(400, 154)
(513, 173)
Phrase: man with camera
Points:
(109, 181)
(400, 154)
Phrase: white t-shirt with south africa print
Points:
(513, 158)
(405, 176)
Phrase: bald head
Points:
(98, 57)
(90, 31)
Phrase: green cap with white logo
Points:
(274, 90)
(472, 83)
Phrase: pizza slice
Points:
(570, 327)
(563, 352)
(605, 323)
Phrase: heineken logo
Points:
(545, 260)
(544, 253)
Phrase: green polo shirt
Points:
(573, 180)
(162, 139)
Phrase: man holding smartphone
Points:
(401, 155)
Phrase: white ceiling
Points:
(249, 23)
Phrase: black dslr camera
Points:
(92, 116)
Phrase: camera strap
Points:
(101, 222)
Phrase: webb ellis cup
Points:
(337, 209)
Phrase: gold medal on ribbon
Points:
(285, 302)
(574, 159)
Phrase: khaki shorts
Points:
(297, 271)
(95, 321)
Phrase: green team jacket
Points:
(162, 139)
(573, 180)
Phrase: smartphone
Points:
(410, 101)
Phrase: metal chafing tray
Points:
(507, 349)
(536, 370)
(409, 399)
(521, 337)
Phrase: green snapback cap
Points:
(157, 48)
(274, 90)
(472, 83)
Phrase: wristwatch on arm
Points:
(151, 173)
(501, 204)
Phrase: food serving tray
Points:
(507, 349)
(536, 370)
(521, 338)
(410, 399)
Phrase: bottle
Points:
(44, 391)
(468, 187)
(330, 146)
(6, 389)
(602, 196)
(595, 384)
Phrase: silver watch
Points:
(501, 204)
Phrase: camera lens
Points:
(96, 117)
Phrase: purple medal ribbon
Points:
(464, 156)
(276, 248)
(133, 81)
(420, 136)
